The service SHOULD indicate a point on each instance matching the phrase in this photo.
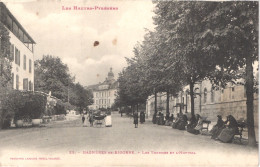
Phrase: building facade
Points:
(208, 102)
(104, 94)
(21, 49)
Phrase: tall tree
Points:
(5, 71)
(51, 74)
(5, 58)
(158, 75)
(80, 97)
(179, 23)
(232, 35)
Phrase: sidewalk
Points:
(244, 135)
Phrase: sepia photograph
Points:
(129, 83)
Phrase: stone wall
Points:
(209, 102)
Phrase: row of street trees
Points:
(52, 75)
(5, 71)
(194, 41)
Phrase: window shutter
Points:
(19, 58)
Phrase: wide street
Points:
(71, 143)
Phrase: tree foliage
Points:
(51, 74)
(80, 97)
(5, 71)
(193, 41)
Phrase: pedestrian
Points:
(136, 119)
(83, 118)
(91, 119)
(85, 124)
(142, 117)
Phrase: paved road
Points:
(149, 142)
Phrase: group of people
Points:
(223, 130)
(88, 117)
(180, 122)
(142, 118)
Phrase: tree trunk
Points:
(155, 103)
(133, 110)
(249, 83)
(192, 99)
(167, 105)
(155, 107)
(137, 107)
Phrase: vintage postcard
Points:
(129, 83)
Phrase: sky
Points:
(70, 34)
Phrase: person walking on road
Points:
(83, 119)
(91, 118)
(136, 119)
(142, 117)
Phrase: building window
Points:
(232, 92)
(25, 84)
(17, 82)
(96, 101)
(17, 56)
(205, 95)
(96, 94)
(30, 66)
(12, 51)
(108, 101)
(30, 85)
(24, 62)
(212, 95)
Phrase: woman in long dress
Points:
(176, 121)
(199, 125)
(142, 117)
(193, 123)
(183, 122)
(108, 119)
(215, 131)
(85, 123)
(136, 119)
(228, 133)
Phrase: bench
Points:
(241, 125)
(205, 122)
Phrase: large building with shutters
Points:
(104, 94)
(21, 49)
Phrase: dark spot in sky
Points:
(96, 43)
(37, 13)
(97, 75)
(114, 42)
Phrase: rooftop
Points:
(7, 18)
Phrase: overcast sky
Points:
(70, 34)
